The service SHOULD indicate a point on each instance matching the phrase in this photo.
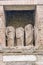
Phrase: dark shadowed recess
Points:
(20, 18)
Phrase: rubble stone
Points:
(28, 34)
(20, 36)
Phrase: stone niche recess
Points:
(21, 26)
(20, 21)
(21, 32)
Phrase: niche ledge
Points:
(22, 50)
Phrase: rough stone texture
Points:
(1, 59)
(20, 63)
(28, 34)
(36, 36)
(2, 63)
(2, 40)
(10, 33)
(39, 60)
(2, 14)
(20, 36)
(2, 27)
(2, 33)
(18, 2)
(39, 26)
(21, 7)
(39, 1)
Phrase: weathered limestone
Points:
(39, 1)
(28, 34)
(36, 36)
(2, 33)
(2, 15)
(2, 63)
(18, 2)
(2, 27)
(20, 36)
(10, 36)
(20, 63)
(39, 26)
(1, 59)
(39, 60)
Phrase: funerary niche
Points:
(21, 20)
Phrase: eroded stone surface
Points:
(39, 27)
(20, 63)
(28, 34)
(2, 63)
(2, 27)
(10, 33)
(20, 36)
(2, 33)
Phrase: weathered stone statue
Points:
(28, 34)
(20, 36)
(10, 36)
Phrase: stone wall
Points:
(38, 29)
(39, 61)
(2, 27)
(39, 25)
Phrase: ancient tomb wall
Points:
(38, 34)
(2, 27)
(39, 25)
(37, 60)
(21, 2)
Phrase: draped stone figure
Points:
(10, 33)
(28, 34)
(20, 36)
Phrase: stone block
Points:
(39, 1)
(20, 63)
(39, 26)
